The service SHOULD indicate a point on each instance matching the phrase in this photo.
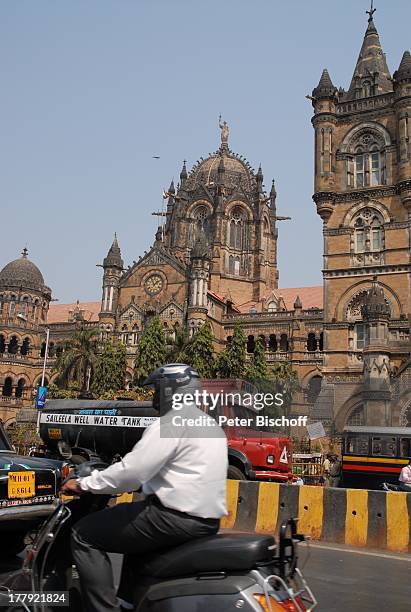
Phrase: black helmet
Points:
(169, 379)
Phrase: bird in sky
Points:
(156, 157)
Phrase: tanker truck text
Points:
(109, 421)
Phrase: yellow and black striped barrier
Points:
(357, 517)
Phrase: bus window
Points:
(357, 445)
(384, 447)
(405, 447)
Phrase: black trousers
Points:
(137, 529)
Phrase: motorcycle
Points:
(250, 572)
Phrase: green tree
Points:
(110, 369)
(176, 348)
(257, 369)
(231, 362)
(151, 350)
(56, 392)
(78, 359)
(199, 351)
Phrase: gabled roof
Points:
(310, 297)
(156, 256)
(63, 313)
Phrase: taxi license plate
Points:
(21, 485)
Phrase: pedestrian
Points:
(326, 470)
(405, 478)
(335, 471)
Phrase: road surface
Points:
(351, 580)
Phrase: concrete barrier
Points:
(356, 517)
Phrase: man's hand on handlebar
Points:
(71, 487)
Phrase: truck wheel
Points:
(234, 473)
(78, 459)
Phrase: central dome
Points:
(22, 273)
(237, 171)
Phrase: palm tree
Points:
(78, 359)
(177, 348)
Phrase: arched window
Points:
(272, 343)
(272, 307)
(51, 349)
(201, 218)
(13, 345)
(265, 243)
(366, 89)
(8, 387)
(237, 266)
(250, 344)
(34, 309)
(311, 342)
(25, 347)
(237, 225)
(368, 227)
(262, 339)
(2, 344)
(20, 387)
(12, 307)
(357, 416)
(314, 388)
(321, 342)
(43, 349)
(366, 161)
(283, 342)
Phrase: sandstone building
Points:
(214, 258)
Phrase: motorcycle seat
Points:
(218, 553)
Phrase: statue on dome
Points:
(224, 131)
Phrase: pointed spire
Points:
(325, 87)
(183, 173)
(172, 189)
(260, 179)
(273, 191)
(404, 70)
(159, 234)
(371, 75)
(297, 304)
(113, 259)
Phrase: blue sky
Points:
(92, 90)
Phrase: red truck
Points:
(254, 454)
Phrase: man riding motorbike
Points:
(181, 465)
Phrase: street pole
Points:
(45, 356)
(43, 376)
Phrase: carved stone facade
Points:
(362, 176)
(214, 259)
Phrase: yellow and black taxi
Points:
(373, 455)
(28, 487)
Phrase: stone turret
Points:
(112, 267)
(376, 314)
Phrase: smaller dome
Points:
(375, 305)
(22, 273)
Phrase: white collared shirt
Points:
(186, 472)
